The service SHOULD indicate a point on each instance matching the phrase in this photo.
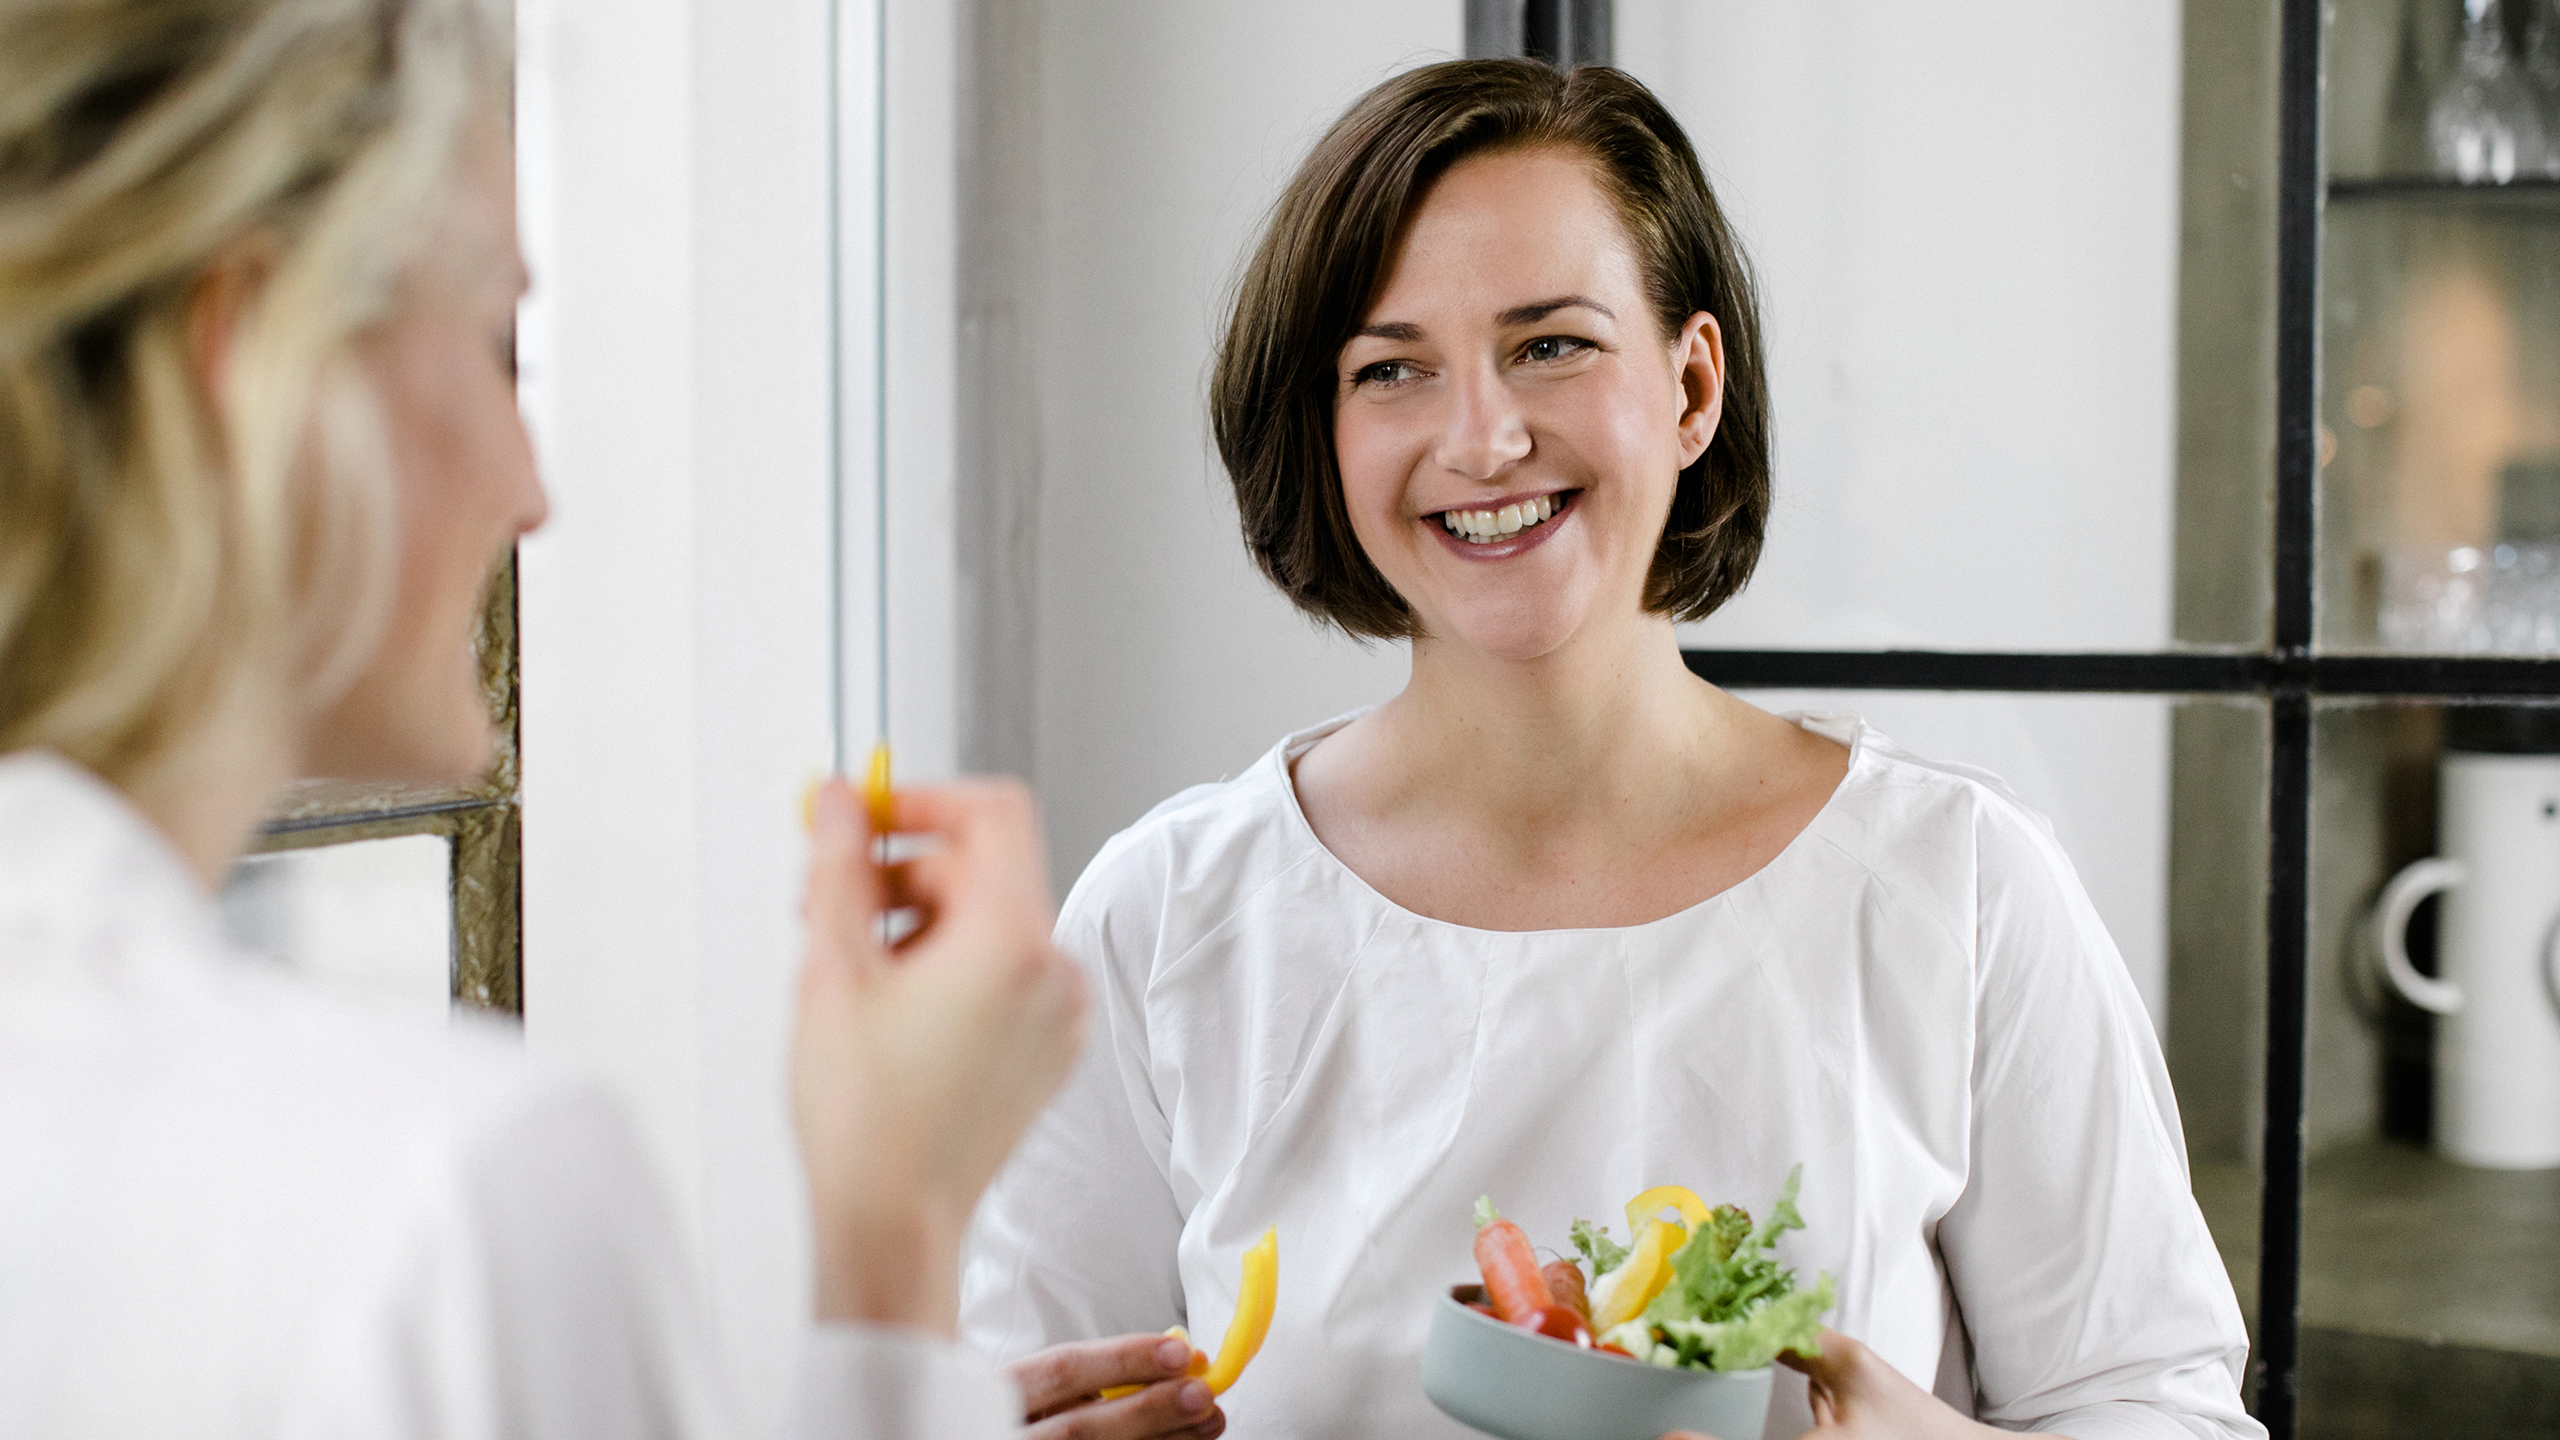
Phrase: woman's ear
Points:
(1697, 357)
(215, 310)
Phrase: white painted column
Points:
(675, 668)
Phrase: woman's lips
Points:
(1505, 547)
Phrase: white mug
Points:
(2497, 1091)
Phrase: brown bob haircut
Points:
(1327, 250)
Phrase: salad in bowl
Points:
(1675, 1328)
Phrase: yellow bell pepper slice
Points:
(1198, 1367)
(877, 796)
(875, 789)
(1643, 1274)
(1646, 1207)
(1255, 1299)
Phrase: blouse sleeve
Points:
(2095, 1302)
(1076, 1239)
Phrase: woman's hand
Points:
(1857, 1396)
(1062, 1388)
(914, 1070)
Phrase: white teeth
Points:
(1484, 526)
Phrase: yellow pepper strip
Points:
(1647, 1207)
(877, 795)
(884, 801)
(1198, 1367)
(1639, 1277)
(1254, 1301)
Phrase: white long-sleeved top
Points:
(1914, 999)
(231, 1207)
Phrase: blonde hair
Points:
(158, 543)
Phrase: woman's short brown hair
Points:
(1327, 251)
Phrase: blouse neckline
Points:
(1848, 730)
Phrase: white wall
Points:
(674, 612)
(1965, 219)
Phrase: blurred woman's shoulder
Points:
(321, 1211)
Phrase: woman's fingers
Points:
(990, 831)
(1840, 1358)
(913, 1078)
(843, 902)
(1163, 1411)
(1062, 1386)
(1066, 1374)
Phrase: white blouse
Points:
(231, 1207)
(1914, 999)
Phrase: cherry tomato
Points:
(1559, 1322)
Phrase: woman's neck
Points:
(1599, 785)
(1589, 727)
(207, 792)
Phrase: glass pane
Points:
(1971, 327)
(2440, 514)
(2431, 1229)
(371, 920)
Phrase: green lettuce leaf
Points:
(1792, 1321)
(1593, 1241)
(1730, 1304)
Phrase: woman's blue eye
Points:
(1552, 347)
(1385, 372)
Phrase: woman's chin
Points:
(423, 744)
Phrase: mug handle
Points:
(2551, 964)
(2399, 901)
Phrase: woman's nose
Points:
(1485, 432)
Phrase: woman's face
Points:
(444, 366)
(1510, 420)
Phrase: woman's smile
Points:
(1503, 528)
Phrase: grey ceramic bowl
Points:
(1510, 1382)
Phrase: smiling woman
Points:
(1560, 921)
(1315, 279)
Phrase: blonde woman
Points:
(258, 448)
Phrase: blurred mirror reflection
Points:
(370, 920)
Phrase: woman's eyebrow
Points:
(1400, 331)
(1537, 310)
